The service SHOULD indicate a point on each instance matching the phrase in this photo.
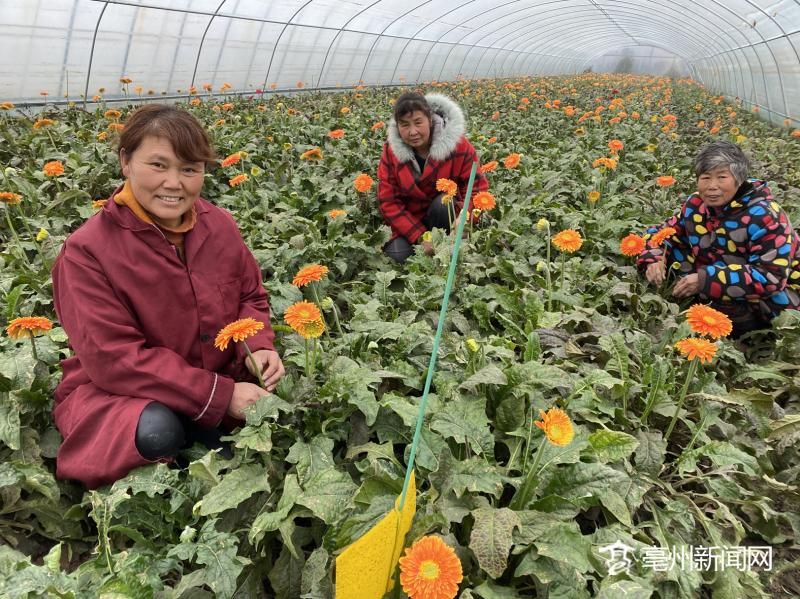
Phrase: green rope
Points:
(439, 330)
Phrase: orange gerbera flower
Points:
(378, 125)
(483, 200)
(9, 197)
(665, 181)
(116, 126)
(238, 330)
(491, 140)
(301, 314)
(97, 204)
(796, 133)
(311, 330)
(662, 235)
(43, 123)
(7, 106)
(308, 274)
(125, 80)
(112, 114)
(450, 188)
(28, 326)
(593, 196)
(430, 569)
(489, 166)
(234, 158)
(363, 183)
(616, 145)
(557, 426)
(237, 180)
(336, 213)
(54, 168)
(336, 134)
(512, 160)
(495, 115)
(705, 320)
(568, 241)
(312, 154)
(694, 347)
(632, 245)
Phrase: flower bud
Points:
(472, 345)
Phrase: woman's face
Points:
(717, 187)
(165, 185)
(415, 129)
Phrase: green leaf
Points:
(580, 481)
(311, 458)
(349, 381)
(217, 551)
(510, 414)
(612, 446)
(491, 538)
(11, 301)
(286, 575)
(624, 589)
(9, 422)
(314, 573)
(488, 375)
(786, 426)
(328, 494)
(721, 453)
(563, 542)
(271, 520)
(464, 420)
(234, 488)
(650, 453)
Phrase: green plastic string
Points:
(462, 220)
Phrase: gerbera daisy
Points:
(308, 274)
(302, 313)
(489, 166)
(483, 201)
(661, 236)
(512, 160)
(615, 145)
(234, 158)
(568, 240)
(97, 204)
(237, 180)
(336, 134)
(632, 245)
(43, 123)
(54, 168)
(430, 569)
(112, 114)
(363, 183)
(28, 326)
(448, 187)
(336, 213)
(9, 197)
(705, 320)
(238, 330)
(557, 426)
(694, 347)
(378, 125)
(593, 196)
(312, 154)
(665, 181)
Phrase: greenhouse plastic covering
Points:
(72, 48)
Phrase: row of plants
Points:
(568, 410)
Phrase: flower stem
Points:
(563, 266)
(308, 372)
(33, 350)
(682, 398)
(525, 493)
(16, 237)
(549, 280)
(319, 303)
(255, 365)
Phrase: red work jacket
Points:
(142, 325)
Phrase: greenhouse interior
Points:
(428, 299)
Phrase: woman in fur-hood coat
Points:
(410, 167)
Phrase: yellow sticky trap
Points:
(365, 569)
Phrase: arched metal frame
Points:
(719, 62)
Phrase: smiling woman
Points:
(142, 289)
(731, 243)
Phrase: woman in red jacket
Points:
(142, 288)
(425, 143)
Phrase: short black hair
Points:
(411, 102)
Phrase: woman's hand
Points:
(269, 365)
(244, 396)
(687, 286)
(656, 272)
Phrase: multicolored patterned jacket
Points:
(405, 193)
(746, 251)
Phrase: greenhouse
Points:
(426, 300)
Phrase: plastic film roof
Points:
(69, 48)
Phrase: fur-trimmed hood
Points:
(447, 129)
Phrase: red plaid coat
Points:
(404, 194)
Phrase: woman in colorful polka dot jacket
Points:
(733, 245)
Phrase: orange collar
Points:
(125, 197)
